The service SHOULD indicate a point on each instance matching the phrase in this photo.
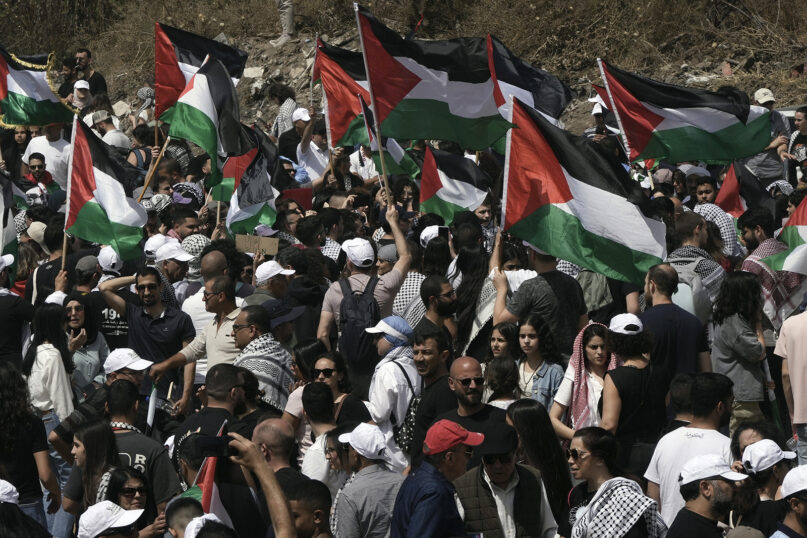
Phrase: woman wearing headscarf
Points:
(85, 342)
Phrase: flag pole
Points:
(311, 80)
(373, 106)
(506, 172)
(613, 107)
(153, 169)
(69, 189)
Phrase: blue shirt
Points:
(783, 531)
(425, 506)
(545, 383)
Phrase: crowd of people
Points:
(388, 372)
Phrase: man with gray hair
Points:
(271, 282)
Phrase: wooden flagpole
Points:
(69, 187)
(614, 109)
(153, 169)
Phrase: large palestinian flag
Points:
(430, 89)
(178, 55)
(533, 86)
(253, 199)
(341, 73)
(684, 124)
(98, 209)
(207, 114)
(396, 160)
(451, 183)
(566, 197)
(26, 97)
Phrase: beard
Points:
(722, 501)
(446, 309)
(240, 408)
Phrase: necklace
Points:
(124, 426)
(526, 383)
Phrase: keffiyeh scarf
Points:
(615, 508)
(578, 408)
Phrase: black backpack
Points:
(358, 311)
(404, 431)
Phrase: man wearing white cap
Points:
(109, 520)
(794, 491)
(14, 312)
(56, 152)
(271, 282)
(364, 507)
(767, 165)
(707, 486)
(768, 465)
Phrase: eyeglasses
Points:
(575, 454)
(77, 308)
(467, 381)
(326, 372)
(131, 492)
(237, 327)
(36, 166)
(207, 294)
(143, 287)
(490, 459)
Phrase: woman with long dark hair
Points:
(604, 499)
(85, 342)
(24, 447)
(303, 357)
(331, 369)
(501, 380)
(475, 298)
(738, 347)
(577, 401)
(504, 342)
(12, 155)
(539, 369)
(128, 488)
(436, 257)
(540, 448)
(96, 453)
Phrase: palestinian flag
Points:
(178, 55)
(207, 114)
(341, 73)
(396, 159)
(98, 208)
(206, 490)
(430, 89)
(564, 196)
(533, 86)
(679, 124)
(794, 233)
(741, 191)
(26, 97)
(451, 183)
(253, 199)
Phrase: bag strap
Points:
(347, 291)
(370, 289)
(408, 382)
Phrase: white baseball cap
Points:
(81, 85)
(707, 466)
(359, 251)
(172, 251)
(103, 516)
(8, 493)
(795, 481)
(367, 440)
(154, 243)
(270, 269)
(300, 114)
(428, 233)
(6, 260)
(125, 357)
(764, 95)
(109, 260)
(626, 324)
(764, 454)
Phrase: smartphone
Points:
(214, 446)
(442, 231)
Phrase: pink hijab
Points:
(578, 410)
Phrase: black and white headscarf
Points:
(614, 509)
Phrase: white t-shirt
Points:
(564, 396)
(315, 160)
(672, 452)
(56, 156)
(364, 171)
(294, 407)
(117, 139)
(316, 467)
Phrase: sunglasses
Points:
(143, 287)
(327, 372)
(575, 454)
(490, 459)
(130, 492)
(207, 294)
(237, 327)
(36, 166)
(467, 381)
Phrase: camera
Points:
(212, 446)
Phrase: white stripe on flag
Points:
(199, 98)
(189, 70)
(525, 96)
(33, 84)
(707, 119)
(112, 198)
(459, 193)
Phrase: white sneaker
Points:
(280, 41)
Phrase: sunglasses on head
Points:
(575, 454)
(327, 372)
(490, 459)
(130, 492)
(467, 381)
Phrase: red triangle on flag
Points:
(728, 198)
(429, 178)
(82, 177)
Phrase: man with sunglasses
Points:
(38, 176)
(109, 520)
(794, 492)
(501, 498)
(425, 504)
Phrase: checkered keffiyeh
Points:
(331, 248)
(778, 287)
(283, 121)
(410, 289)
(615, 508)
(708, 269)
(288, 237)
(271, 364)
(724, 221)
(194, 245)
(568, 268)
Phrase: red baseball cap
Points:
(445, 434)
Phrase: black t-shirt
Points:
(114, 326)
(765, 515)
(150, 457)
(570, 296)
(14, 311)
(352, 410)
(688, 524)
(208, 421)
(289, 478)
(97, 83)
(678, 337)
(47, 272)
(19, 463)
(642, 416)
(435, 399)
(478, 422)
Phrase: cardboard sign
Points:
(256, 243)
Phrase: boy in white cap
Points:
(767, 465)
(109, 520)
(364, 507)
(794, 491)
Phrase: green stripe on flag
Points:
(190, 123)
(93, 224)
(266, 215)
(438, 206)
(223, 192)
(19, 109)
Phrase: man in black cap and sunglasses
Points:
(501, 498)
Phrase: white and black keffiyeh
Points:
(331, 249)
(408, 291)
(724, 221)
(271, 364)
(614, 509)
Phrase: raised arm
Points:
(108, 289)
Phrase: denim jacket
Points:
(545, 383)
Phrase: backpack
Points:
(692, 295)
(358, 311)
(404, 433)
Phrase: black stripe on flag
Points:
(191, 49)
(110, 160)
(351, 62)
(550, 95)
(255, 186)
(38, 59)
(663, 95)
(463, 59)
(588, 161)
(232, 137)
(460, 168)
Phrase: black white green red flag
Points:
(451, 183)
(26, 97)
(566, 197)
(680, 124)
(396, 159)
(253, 198)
